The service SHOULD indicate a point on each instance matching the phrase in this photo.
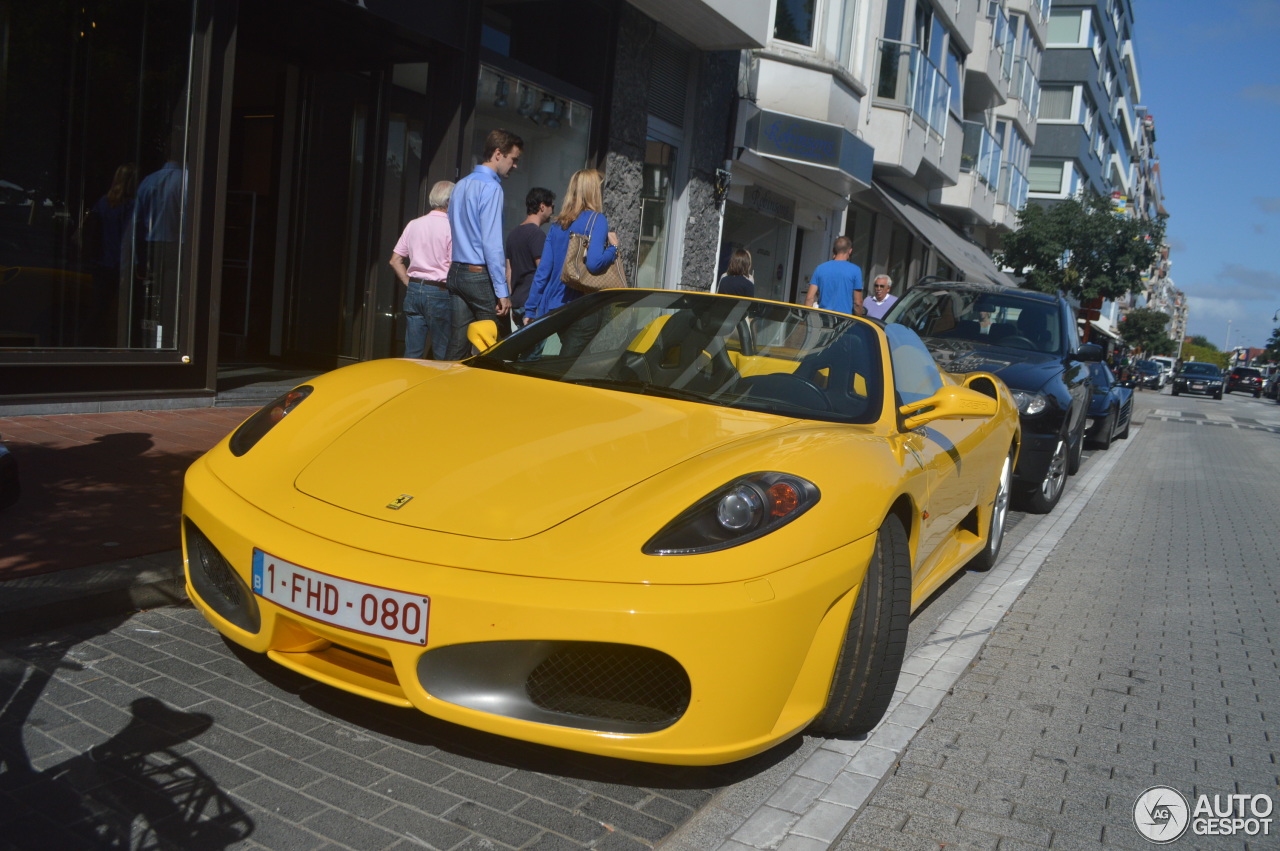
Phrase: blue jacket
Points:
(549, 292)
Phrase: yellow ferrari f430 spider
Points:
(657, 525)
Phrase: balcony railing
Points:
(981, 154)
(1013, 187)
(1026, 87)
(1002, 37)
(906, 75)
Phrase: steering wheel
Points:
(791, 389)
(1014, 341)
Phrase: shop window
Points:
(555, 130)
(94, 223)
(656, 197)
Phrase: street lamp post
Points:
(1226, 344)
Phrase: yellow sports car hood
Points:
(437, 451)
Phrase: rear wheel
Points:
(1257, 394)
(1175, 391)
(1218, 395)
(990, 554)
(874, 642)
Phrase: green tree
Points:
(1203, 354)
(1203, 342)
(1144, 330)
(1272, 352)
(1081, 247)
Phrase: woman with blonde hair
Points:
(583, 213)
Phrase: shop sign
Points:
(773, 134)
(769, 203)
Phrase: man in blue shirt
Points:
(477, 281)
(837, 284)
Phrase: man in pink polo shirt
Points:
(421, 262)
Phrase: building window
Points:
(793, 21)
(1056, 103)
(1045, 176)
(955, 68)
(1064, 26)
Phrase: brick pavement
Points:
(1149, 657)
(148, 730)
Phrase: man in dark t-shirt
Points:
(524, 250)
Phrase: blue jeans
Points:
(427, 310)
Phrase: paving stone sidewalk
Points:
(1146, 654)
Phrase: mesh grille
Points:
(668, 81)
(613, 682)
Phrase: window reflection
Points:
(93, 181)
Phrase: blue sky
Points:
(1210, 76)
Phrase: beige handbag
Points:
(577, 276)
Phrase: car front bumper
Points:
(1205, 390)
(758, 654)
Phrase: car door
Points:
(938, 447)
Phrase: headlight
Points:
(1030, 404)
(740, 511)
(253, 429)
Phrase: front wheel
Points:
(1258, 395)
(1046, 496)
(1175, 391)
(990, 554)
(875, 640)
(1218, 396)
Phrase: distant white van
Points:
(1167, 365)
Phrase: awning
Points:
(1104, 329)
(965, 255)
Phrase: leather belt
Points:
(471, 267)
(425, 281)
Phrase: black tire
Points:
(1175, 391)
(990, 554)
(1257, 395)
(1104, 433)
(874, 642)
(1218, 396)
(1046, 495)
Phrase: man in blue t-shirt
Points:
(837, 284)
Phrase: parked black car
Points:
(1149, 374)
(1029, 339)
(1197, 377)
(1245, 378)
(1111, 408)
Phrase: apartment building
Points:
(1096, 135)
(906, 125)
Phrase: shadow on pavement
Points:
(132, 791)
(77, 500)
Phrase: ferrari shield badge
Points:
(399, 502)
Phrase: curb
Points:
(68, 597)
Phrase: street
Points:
(1124, 641)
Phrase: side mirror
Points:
(949, 403)
(1091, 352)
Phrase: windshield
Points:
(717, 350)
(1248, 372)
(1149, 367)
(992, 317)
(1200, 369)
